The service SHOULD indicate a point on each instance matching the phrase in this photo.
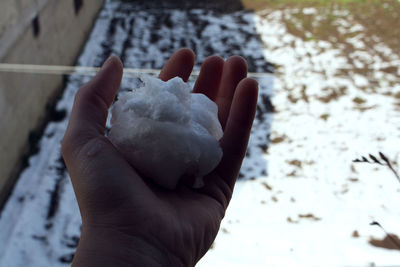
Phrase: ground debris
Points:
(388, 242)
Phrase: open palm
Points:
(126, 219)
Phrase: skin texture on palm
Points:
(126, 219)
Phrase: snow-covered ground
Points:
(314, 206)
(301, 201)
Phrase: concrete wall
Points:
(61, 32)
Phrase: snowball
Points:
(166, 132)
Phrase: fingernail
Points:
(107, 61)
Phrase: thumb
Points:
(89, 113)
(100, 176)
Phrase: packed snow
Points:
(300, 199)
(163, 124)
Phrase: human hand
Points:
(126, 219)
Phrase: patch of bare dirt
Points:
(391, 241)
(309, 216)
(355, 234)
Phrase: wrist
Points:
(108, 247)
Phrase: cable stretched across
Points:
(88, 71)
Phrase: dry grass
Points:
(380, 18)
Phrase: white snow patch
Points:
(309, 11)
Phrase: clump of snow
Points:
(166, 132)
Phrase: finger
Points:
(90, 110)
(180, 64)
(210, 77)
(235, 69)
(237, 131)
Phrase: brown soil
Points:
(391, 241)
(309, 216)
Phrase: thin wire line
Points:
(88, 71)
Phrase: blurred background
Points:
(329, 94)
